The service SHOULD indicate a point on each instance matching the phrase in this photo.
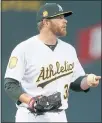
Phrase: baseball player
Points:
(42, 69)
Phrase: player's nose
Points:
(65, 20)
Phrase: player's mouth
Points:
(64, 27)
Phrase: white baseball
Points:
(91, 79)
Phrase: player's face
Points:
(58, 25)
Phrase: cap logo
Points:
(60, 8)
(45, 13)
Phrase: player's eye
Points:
(61, 17)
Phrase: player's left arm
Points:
(90, 80)
(83, 83)
(80, 80)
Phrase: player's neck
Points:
(47, 38)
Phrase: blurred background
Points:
(84, 33)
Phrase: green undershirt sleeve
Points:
(75, 86)
(13, 89)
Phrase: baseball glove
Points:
(43, 104)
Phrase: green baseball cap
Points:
(51, 10)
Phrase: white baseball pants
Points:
(24, 115)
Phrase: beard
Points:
(58, 31)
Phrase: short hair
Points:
(40, 25)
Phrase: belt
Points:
(52, 111)
(56, 110)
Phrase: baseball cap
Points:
(51, 10)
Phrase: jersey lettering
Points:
(49, 73)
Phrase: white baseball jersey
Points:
(42, 71)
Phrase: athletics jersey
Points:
(42, 71)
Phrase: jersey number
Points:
(66, 91)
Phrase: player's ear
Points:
(45, 22)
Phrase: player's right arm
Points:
(14, 74)
(15, 91)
